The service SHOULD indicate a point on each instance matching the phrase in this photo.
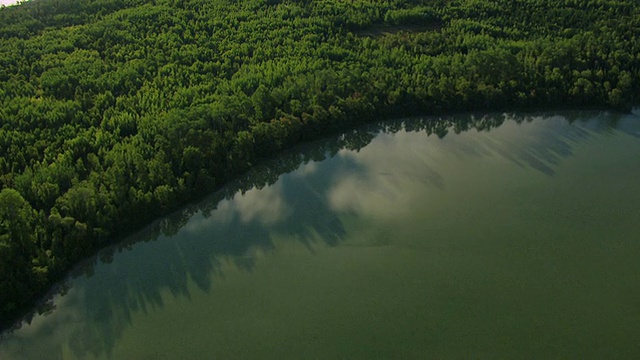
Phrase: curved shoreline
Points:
(114, 117)
(334, 141)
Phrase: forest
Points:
(115, 112)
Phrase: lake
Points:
(471, 236)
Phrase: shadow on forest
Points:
(378, 30)
(194, 243)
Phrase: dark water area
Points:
(472, 236)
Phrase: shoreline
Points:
(44, 302)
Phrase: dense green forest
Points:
(115, 112)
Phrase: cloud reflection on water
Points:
(397, 165)
(266, 206)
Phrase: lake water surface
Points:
(508, 236)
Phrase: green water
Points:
(513, 241)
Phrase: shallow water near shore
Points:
(509, 235)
